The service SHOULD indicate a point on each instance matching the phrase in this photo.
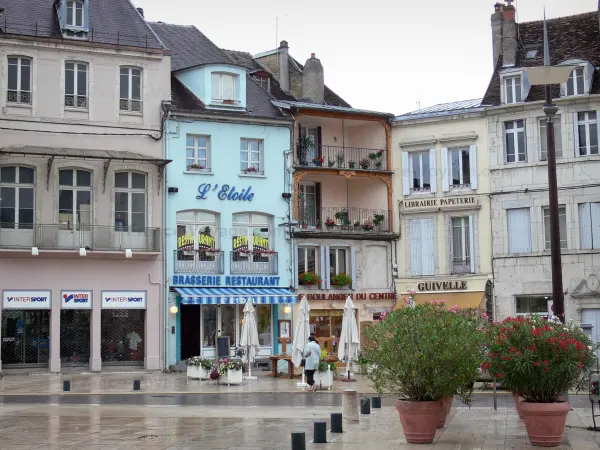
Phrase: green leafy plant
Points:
(340, 159)
(199, 361)
(364, 163)
(424, 353)
(373, 156)
(352, 164)
(341, 279)
(378, 219)
(226, 364)
(323, 365)
(309, 278)
(537, 358)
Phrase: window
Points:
(587, 133)
(130, 201)
(263, 323)
(534, 304)
(197, 243)
(589, 225)
(576, 82)
(557, 139)
(251, 160)
(461, 245)
(76, 84)
(17, 186)
(419, 163)
(460, 167)
(131, 89)
(562, 225)
(422, 248)
(74, 14)
(512, 89)
(252, 251)
(223, 88)
(516, 150)
(519, 230)
(74, 199)
(19, 80)
(263, 82)
(338, 261)
(308, 261)
(196, 153)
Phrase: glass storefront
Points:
(123, 335)
(25, 337)
(326, 325)
(75, 336)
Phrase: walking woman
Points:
(312, 353)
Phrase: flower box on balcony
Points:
(195, 167)
(341, 281)
(243, 254)
(211, 251)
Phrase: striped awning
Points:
(234, 296)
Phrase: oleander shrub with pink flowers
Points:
(537, 358)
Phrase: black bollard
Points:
(365, 405)
(336, 423)
(136, 385)
(298, 441)
(320, 433)
(376, 402)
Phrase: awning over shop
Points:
(235, 296)
(474, 299)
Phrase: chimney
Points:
(509, 35)
(284, 64)
(313, 81)
(497, 20)
(141, 11)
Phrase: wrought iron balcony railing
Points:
(254, 262)
(348, 219)
(74, 237)
(200, 261)
(461, 265)
(334, 157)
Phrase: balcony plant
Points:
(352, 164)
(407, 360)
(319, 224)
(198, 367)
(378, 164)
(330, 223)
(331, 162)
(356, 224)
(341, 280)
(540, 360)
(368, 226)
(342, 216)
(195, 167)
(340, 158)
(306, 143)
(373, 156)
(378, 219)
(364, 163)
(309, 279)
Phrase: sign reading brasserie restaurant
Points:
(442, 286)
(439, 202)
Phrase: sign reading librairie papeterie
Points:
(123, 299)
(441, 203)
(26, 299)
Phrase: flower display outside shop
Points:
(199, 361)
(341, 279)
(224, 365)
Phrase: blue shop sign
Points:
(225, 193)
(217, 280)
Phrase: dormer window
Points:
(75, 14)
(224, 88)
(513, 92)
(263, 82)
(575, 83)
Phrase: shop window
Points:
(25, 337)
(123, 335)
(17, 193)
(308, 261)
(209, 325)
(540, 305)
(197, 243)
(75, 337)
(263, 322)
(326, 325)
(130, 201)
(74, 199)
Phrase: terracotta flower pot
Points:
(446, 405)
(419, 420)
(518, 401)
(545, 422)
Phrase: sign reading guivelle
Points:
(442, 286)
(447, 202)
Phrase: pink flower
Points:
(484, 315)
(406, 300)
(412, 292)
(382, 315)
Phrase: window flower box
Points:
(318, 161)
(309, 279)
(341, 280)
(251, 170)
(198, 167)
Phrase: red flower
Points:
(545, 362)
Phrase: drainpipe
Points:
(160, 297)
(165, 260)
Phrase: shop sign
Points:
(429, 286)
(226, 192)
(124, 299)
(240, 243)
(436, 203)
(26, 299)
(76, 300)
(353, 296)
(205, 242)
(223, 281)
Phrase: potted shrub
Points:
(373, 156)
(341, 280)
(195, 167)
(309, 279)
(356, 224)
(540, 360)
(331, 162)
(324, 375)
(352, 164)
(306, 143)
(368, 226)
(330, 223)
(198, 367)
(378, 219)
(319, 225)
(364, 163)
(378, 164)
(318, 161)
(340, 159)
(408, 361)
(229, 371)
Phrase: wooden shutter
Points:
(473, 165)
(405, 175)
(432, 171)
(445, 173)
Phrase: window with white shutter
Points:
(544, 139)
(420, 171)
(589, 225)
(519, 230)
(422, 250)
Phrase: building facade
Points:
(81, 170)
(518, 167)
(226, 201)
(441, 192)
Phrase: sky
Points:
(383, 55)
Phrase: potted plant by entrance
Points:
(407, 360)
(198, 367)
(324, 375)
(540, 360)
(229, 371)
(341, 280)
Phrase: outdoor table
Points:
(287, 358)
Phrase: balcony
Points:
(205, 262)
(345, 158)
(254, 263)
(353, 220)
(461, 266)
(69, 237)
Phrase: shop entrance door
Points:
(25, 337)
(219, 320)
(190, 331)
